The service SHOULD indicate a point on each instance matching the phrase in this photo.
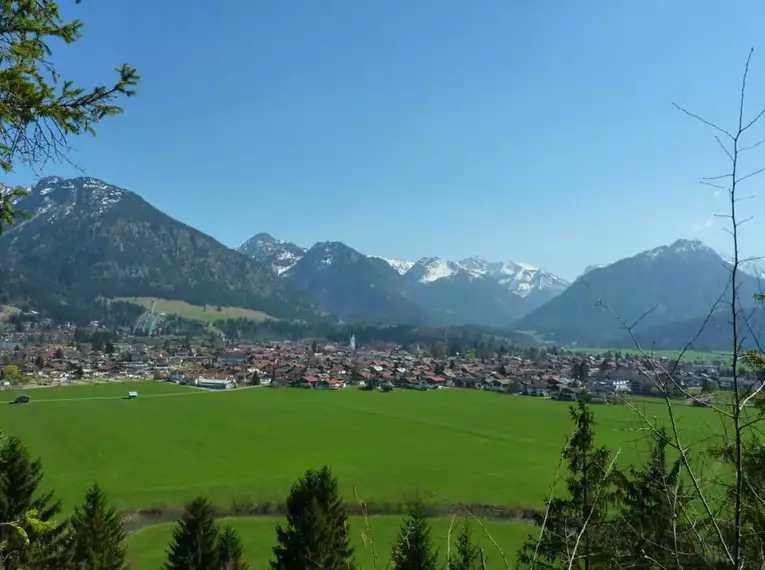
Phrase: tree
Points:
(11, 373)
(314, 348)
(39, 544)
(316, 535)
(709, 386)
(109, 349)
(194, 545)
(576, 532)
(39, 110)
(438, 350)
(467, 556)
(414, 549)
(230, 552)
(651, 525)
(59, 354)
(96, 534)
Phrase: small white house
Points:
(132, 395)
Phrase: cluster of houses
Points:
(556, 375)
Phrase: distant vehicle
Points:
(24, 399)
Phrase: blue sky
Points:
(540, 131)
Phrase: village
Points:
(47, 355)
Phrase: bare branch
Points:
(698, 118)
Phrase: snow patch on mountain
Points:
(521, 278)
(400, 265)
(278, 254)
(429, 269)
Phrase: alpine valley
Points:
(86, 241)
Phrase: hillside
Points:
(705, 335)
(342, 281)
(431, 290)
(90, 239)
(679, 282)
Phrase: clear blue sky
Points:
(536, 131)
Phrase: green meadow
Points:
(372, 539)
(690, 356)
(205, 314)
(248, 446)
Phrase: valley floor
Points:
(250, 445)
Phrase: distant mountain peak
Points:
(279, 255)
(429, 269)
(400, 265)
(681, 246)
(88, 239)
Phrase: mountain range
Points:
(87, 240)
(654, 292)
(355, 286)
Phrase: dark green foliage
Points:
(20, 478)
(651, 528)
(230, 552)
(578, 523)
(316, 535)
(195, 539)
(96, 534)
(39, 110)
(752, 492)
(467, 555)
(414, 549)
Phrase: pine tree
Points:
(577, 523)
(39, 109)
(467, 556)
(652, 529)
(414, 549)
(96, 534)
(230, 551)
(195, 539)
(34, 513)
(316, 535)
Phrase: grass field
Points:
(207, 314)
(251, 445)
(146, 549)
(689, 356)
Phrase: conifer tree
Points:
(467, 555)
(414, 549)
(96, 534)
(316, 535)
(230, 551)
(577, 532)
(195, 539)
(33, 538)
(38, 109)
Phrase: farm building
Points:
(215, 383)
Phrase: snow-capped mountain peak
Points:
(520, 278)
(400, 265)
(53, 198)
(429, 269)
(278, 254)
(680, 247)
